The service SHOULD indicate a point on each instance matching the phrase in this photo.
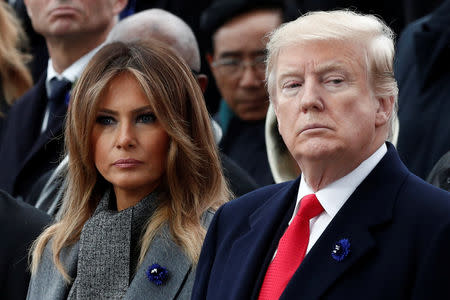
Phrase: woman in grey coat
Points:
(144, 175)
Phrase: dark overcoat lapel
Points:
(252, 246)
(369, 206)
(397, 226)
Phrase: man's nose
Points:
(126, 136)
(250, 77)
(310, 99)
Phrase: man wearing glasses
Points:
(237, 61)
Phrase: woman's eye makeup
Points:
(146, 118)
(105, 120)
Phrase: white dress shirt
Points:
(71, 73)
(333, 196)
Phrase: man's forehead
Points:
(317, 66)
(319, 57)
(247, 31)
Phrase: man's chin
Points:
(316, 150)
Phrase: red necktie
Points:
(291, 250)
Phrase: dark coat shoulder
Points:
(20, 224)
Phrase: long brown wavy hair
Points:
(14, 74)
(193, 180)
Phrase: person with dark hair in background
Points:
(32, 141)
(15, 79)
(423, 74)
(237, 60)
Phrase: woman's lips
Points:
(127, 163)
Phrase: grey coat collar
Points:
(48, 283)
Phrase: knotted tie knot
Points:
(310, 207)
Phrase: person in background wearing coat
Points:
(144, 174)
(423, 74)
(357, 224)
(236, 57)
(33, 140)
(15, 78)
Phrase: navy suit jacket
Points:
(399, 232)
(25, 153)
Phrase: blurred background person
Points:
(32, 141)
(423, 75)
(144, 174)
(237, 31)
(15, 78)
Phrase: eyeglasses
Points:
(235, 66)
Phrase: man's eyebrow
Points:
(231, 54)
(332, 66)
(326, 67)
(288, 72)
(225, 54)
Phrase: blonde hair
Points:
(371, 33)
(193, 180)
(15, 76)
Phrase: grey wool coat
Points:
(48, 283)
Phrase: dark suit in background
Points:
(423, 74)
(440, 174)
(20, 224)
(25, 153)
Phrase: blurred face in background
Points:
(238, 62)
(73, 17)
(129, 143)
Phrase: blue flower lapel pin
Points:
(157, 274)
(341, 249)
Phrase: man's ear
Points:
(384, 110)
(119, 5)
(202, 82)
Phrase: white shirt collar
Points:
(333, 196)
(73, 71)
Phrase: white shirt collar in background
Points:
(73, 72)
